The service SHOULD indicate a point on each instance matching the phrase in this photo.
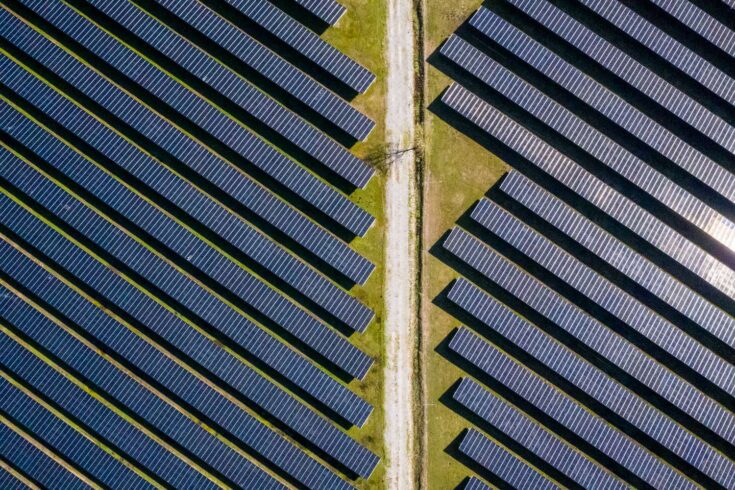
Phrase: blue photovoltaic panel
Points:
(317, 336)
(10, 482)
(328, 11)
(242, 237)
(269, 65)
(131, 350)
(248, 430)
(616, 159)
(598, 97)
(101, 233)
(159, 463)
(670, 292)
(299, 38)
(253, 198)
(595, 288)
(665, 46)
(592, 336)
(629, 70)
(238, 91)
(700, 22)
(247, 147)
(84, 364)
(524, 431)
(475, 484)
(501, 463)
(564, 410)
(609, 394)
(580, 182)
(31, 462)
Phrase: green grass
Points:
(458, 172)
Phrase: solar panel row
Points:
(31, 462)
(243, 53)
(608, 445)
(631, 413)
(579, 184)
(475, 484)
(215, 76)
(247, 431)
(240, 145)
(121, 392)
(501, 463)
(309, 45)
(243, 238)
(10, 482)
(629, 70)
(670, 293)
(93, 420)
(615, 159)
(639, 321)
(596, 96)
(593, 339)
(328, 11)
(314, 335)
(504, 418)
(666, 47)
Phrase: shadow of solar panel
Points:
(28, 460)
(615, 402)
(501, 463)
(215, 77)
(150, 411)
(636, 321)
(244, 429)
(541, 444)
(593, 340)
(90, 227)
(607, 156)
(94, 418)
(243, 53)
(139, 214)
(626, 68)
(241, 146)
(545, 164)
(302, 40)
(239, 192)
(665, 46)
(588, 432)
(670, 294)
(597, 97)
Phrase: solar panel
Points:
(543, 445)
(670, 293)
(230, 186)
(305, 42)
(29, 460)
(215, 76)
(700, 22)
(666, 47)
(162, 419)
(632, 72)
(328, 11)
(628, 216)
(615, 159)
(249, 432)
(475, 484)
(91, 417)
(501, 463)
(639, 322)
(610, 105)
(241, 146)
(600, 438)
(139, 213)
(648, 424)
(243, 53)
(593, 339)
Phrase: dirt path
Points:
(401, 251)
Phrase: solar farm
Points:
(367, 244)
(583, 300)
